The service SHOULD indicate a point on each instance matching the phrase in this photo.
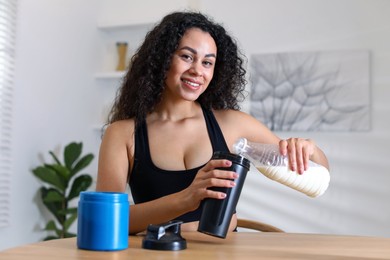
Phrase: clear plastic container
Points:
(268, 160)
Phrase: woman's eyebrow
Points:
(195, 52)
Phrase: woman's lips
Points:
(192, 84)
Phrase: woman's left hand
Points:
(298, 151)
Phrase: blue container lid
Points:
(103, 196)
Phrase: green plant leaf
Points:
(71, 153)
(69, 222)
(49, 176)
(82, 163)
(68, 234)
(68, 211)
(62, 171)
(80, 184)
(50, 238)
(53, 196)
(53, 207)
(55, 158)
(72, 210)
(51, 226)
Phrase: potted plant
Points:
(61, 185)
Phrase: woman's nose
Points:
(196, 69)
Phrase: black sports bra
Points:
(148, 182)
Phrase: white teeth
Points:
(191, 83)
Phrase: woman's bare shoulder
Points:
(121, 127)
(119, 133)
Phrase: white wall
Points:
(52, 100)
(57, 100)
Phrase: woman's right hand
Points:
(209, 176)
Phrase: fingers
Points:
(221, 178)
(306, 157)
(212, 164)
(212, 178)
(298, 151)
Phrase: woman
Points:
(177, 105)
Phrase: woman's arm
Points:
(237, 124)
(115, 160)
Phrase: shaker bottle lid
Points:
(234, 158)
(165, 236)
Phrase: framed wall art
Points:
(311, 91)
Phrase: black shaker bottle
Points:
(217, 213)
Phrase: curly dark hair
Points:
(143, 84)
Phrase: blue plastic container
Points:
(103, 221)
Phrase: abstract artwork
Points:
(311, 91)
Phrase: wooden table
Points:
(241, 245)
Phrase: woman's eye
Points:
(186, 57)
(208, 63)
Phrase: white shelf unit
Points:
(110, 75)
(132, 33)
(110, 33)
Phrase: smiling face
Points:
(192, 65)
